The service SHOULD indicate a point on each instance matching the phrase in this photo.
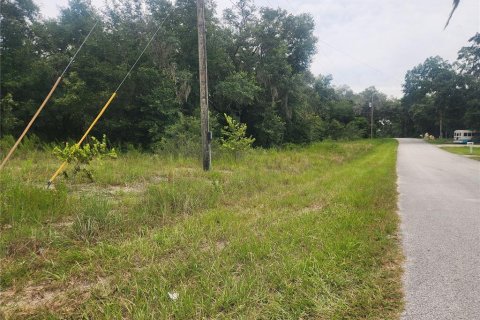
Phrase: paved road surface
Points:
(440, 211)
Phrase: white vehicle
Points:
(464, 136)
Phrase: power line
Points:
(296, 11)
(352, 57)
(324, 54)
(52, 90)
(145, 48)
(112, 97)
(78, 50)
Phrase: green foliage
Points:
(179, 197)
(469, 57)
(29, 143)
(6, 143)
(356, 129)
(8, 121)
(259, 62)
(464, 150)
(270, 130)
(241, 241)
(234, 136)
(181, 138)
(163, 85)
(307, 127)
(239, 88)
(26, 204)
(440, 98)
(81, 156)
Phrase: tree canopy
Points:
(441, 97)
(259, 74)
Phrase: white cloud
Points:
(371, 42)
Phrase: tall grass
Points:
(299, 233)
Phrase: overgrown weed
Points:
(299, 233)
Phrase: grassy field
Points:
(304, 233)
(465, 151)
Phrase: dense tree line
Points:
(258, 63)
(440, 97)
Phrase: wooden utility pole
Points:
(441, 125)
(202, 70)
(371, 118)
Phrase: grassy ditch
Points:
(464, 151)
(304, 233)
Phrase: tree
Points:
(234, 136)
(17, 57)
(389, 117)
(436, 81)
(468, 59)
(237, 91)
(468, 63)
(258, 60)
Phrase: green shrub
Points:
(29, 143)
(6, 144)
(181, 138)
(234, 137)
(356, 129)
(81, 156)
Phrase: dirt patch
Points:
(132, 188)
(22, 247)
(158, 179)
(221, 244)
(60, 299)
(217, 246)
(225, 171)
(112, 191)
(313, 207)
(62, 224)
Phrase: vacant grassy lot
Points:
(307, 233)
(465, 151)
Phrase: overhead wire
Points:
(112, 97)
(324, 54)
(296, 10)
(352, 57)
(141, 54)
(79, 48)
(54, 87)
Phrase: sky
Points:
(364, 43)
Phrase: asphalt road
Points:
(440, 211)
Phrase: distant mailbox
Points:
(470, 144)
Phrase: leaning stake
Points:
(114, 94)
(44, 101)
(84, 136)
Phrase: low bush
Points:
(81, 156)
